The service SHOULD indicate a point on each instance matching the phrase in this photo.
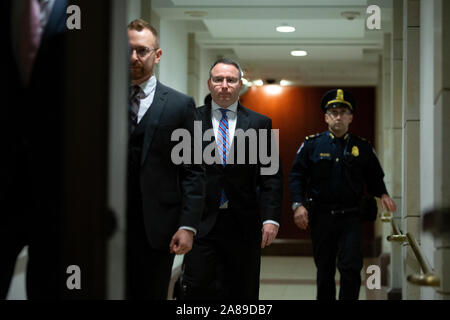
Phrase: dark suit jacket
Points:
(31, 119)
(172, 195)
(252, 196)
(31, 165)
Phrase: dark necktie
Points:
(135, 100)
(29, 37)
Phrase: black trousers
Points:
(31, 215)
(45, 275)
(337, 241)
(223, 265)
(148, 269)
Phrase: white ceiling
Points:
(340, 51)
(259, 3)
(305, 29)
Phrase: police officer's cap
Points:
(338, 98)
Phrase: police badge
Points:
(355, 151)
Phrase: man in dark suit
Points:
(165, 200)
(31, 139)
(225, 260)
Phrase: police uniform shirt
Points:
(335, 170)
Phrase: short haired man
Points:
(332, 168)
(225, 260)
(165, 201)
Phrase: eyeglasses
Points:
(336, 113)
(142, 51)
(219, 80)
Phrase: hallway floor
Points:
(293, 278)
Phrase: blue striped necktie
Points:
(223, 144)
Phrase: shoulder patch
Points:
(312, 136)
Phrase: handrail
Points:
(386, 217)
(397, 236)
(415, 247)
(428, 278)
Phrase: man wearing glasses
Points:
(327, 182)
(165, 201)
(242, 206)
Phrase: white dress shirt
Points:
(148, 87)
(232, 119)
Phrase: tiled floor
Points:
(282, 278)
(293, 278)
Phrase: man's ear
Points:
(158, 55)
(350, 118)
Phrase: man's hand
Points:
(388, 203)
(182, 241)
(269, 233)
(301, 217)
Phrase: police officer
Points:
(327, 182)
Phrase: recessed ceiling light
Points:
(285, 28)
(299, 53)
(258, 82)
(285, 82)
(244, 81)
(196, 14)
(350, 15)
(272, 89)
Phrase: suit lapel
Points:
(206, 117)
(152, 116)
(243, 120)
(57, 20)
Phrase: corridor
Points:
(293, 278)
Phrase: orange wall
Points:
(296, 112)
